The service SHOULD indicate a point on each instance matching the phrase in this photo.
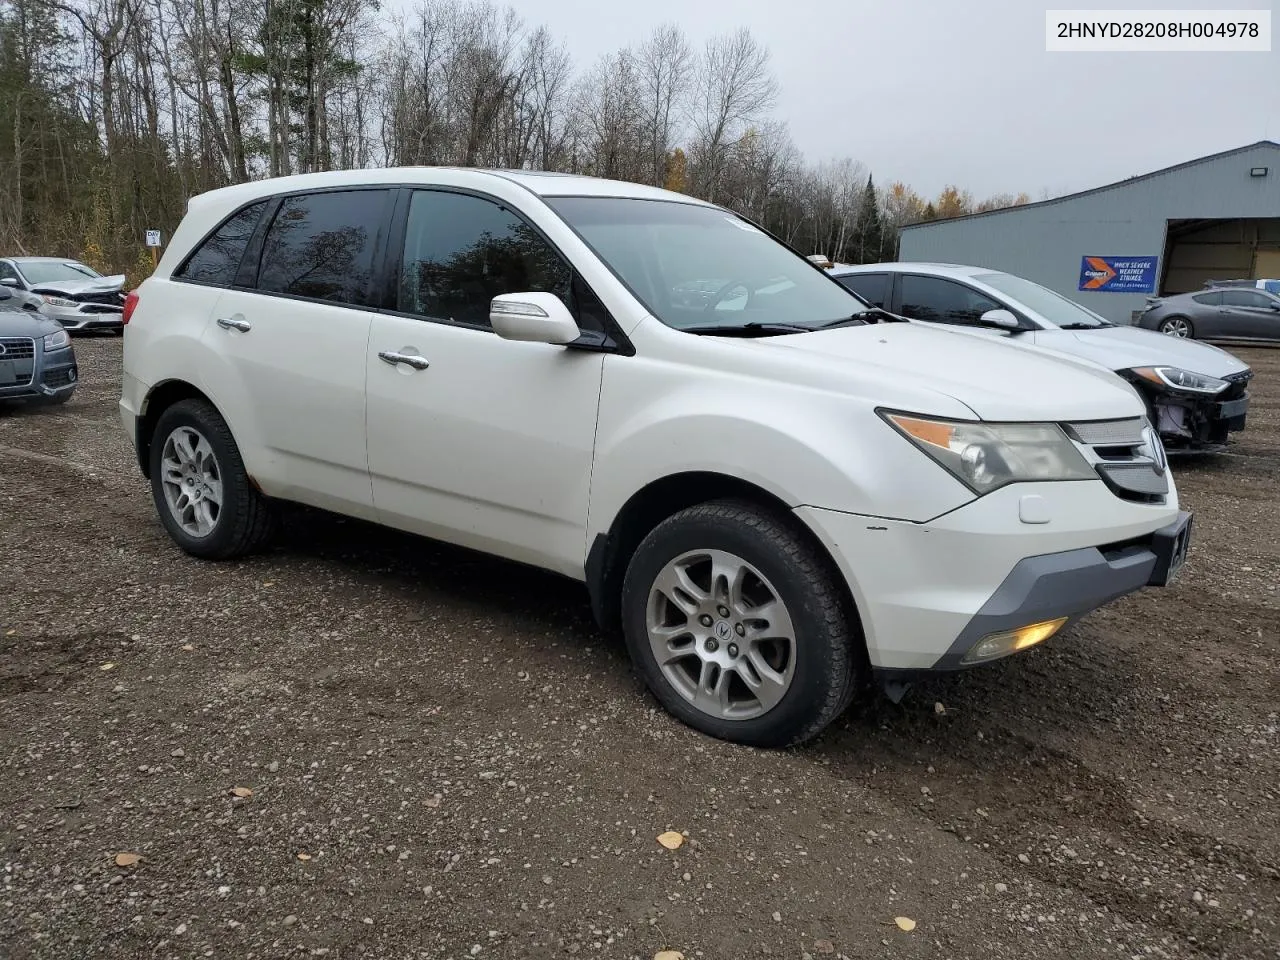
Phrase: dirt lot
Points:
(446, 760)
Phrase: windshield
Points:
(697, 267)
(55, 271)
(1058, 310)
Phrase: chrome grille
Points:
(1107, 433)
(17, 348)
(1127, 456)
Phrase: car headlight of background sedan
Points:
(58, 301)
(1175, 378)
(55, 341)
(987, 456)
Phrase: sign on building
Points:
(1118, 274)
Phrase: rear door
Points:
(1249, 314)
(872, 287)
(481, 441)
(288, 342)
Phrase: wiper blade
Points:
(1083, 326)
(753, 329)
(863, 316)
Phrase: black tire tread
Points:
(841, 630)
(253, 522)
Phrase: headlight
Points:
(1176, 378)
(54, 341)
(987, 456)
(58, 301)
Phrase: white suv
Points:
(774, 491)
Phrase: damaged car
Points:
(1196, 394)
(37, 361)
(70, 292)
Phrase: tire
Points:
(244, 520)
(1169, 324)
(826, 655)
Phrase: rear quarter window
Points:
(217, 259)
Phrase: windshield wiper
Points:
(753, 329)
(1084, 326)
(862, 316)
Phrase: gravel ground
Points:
(447, 761)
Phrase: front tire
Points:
(201, 490)
(738, 625)
(1179, 327)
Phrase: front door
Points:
(1250, 314)
(286, 364)
(474, 439)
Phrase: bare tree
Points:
(665, 64)
(735, 86)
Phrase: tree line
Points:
(114, 112)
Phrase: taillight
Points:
(130, 302)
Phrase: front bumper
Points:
(40, 375)
(86, 316)
(926, 593)
(1195, 424)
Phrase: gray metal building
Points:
(1216, 218)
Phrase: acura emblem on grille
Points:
(1154, 449)
(3, 349)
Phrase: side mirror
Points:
(9, 281)
(1002, 318)
(5, 293)
(533, 318)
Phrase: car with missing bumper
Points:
(1196, 394)
(72, 293)
(37, 361)
(776, 493)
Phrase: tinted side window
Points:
(942, 301)
(321, 245)
(1208, 299)
(217, 259)
(872, 287)
(1245, 298)
(7, 272)
(462, 251)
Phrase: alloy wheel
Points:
(1176, 327)
(721, 634)
(192, 481)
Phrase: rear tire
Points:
(784, 662)
(1179, 327)
(200, 487)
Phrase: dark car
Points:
(37, 361)
(1223, 313)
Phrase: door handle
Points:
(236, 323)
(412, 359)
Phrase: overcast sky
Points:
(962, 91)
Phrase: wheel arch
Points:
(160, 398)
(611, 550)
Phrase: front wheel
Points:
(202, 492)
(1179, 327)
(738, 626)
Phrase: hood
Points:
(998, 379)
(16, 322)
(73, 288)
(1121, 348)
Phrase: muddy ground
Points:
(447, 761)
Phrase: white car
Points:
(1196, 394)
(70, 292)
(772, 492)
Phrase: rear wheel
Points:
(1177, 327)
(201, 490)
(737, 624)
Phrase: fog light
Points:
(1011, 641)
